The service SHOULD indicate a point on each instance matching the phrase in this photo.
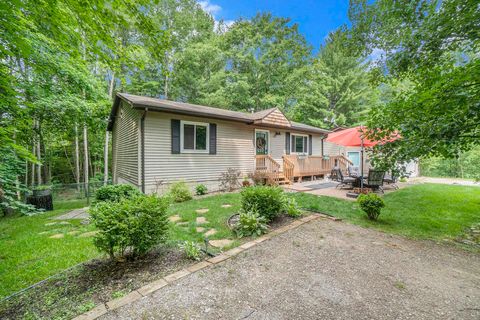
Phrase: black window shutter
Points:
(287, 142)
(213, 138)
(310, 143)
(175, 124)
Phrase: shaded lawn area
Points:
(426, 211)
(28, 255)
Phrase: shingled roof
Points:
(153, 104)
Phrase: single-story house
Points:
(157, 142)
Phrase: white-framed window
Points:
(194, 137)
(299, 144)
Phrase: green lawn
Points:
(28, 255)
(427, 211)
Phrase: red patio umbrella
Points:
(352, 137)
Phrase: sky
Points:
(314, 18)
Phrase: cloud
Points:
(214, 9)
(209, 7)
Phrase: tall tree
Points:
(336, 90)
(434, 46)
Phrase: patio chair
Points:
(353, 171)
(343, 181)
(375, 180)
(391, 179)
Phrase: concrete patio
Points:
(325, 187)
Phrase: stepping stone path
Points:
(200, 229)
(50, 224)
(74, 214)
(64, 223)
(210, 232)
(74, 232)
(174, 218)
(57, 236)
(201, 211)
(43, 232)
(220, 243)
(88, 234)
(226, 205)
(201, 220)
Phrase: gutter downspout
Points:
(142, 148)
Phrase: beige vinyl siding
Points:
(317, 145)
(126, 146)
(234, 150)
(332, 149)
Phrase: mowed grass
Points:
(28, 255)
(216, 216)
(427, 211)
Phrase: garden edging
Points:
(148, 289)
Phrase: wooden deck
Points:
(295, 167)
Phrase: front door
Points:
(262, 141)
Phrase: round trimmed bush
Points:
(137, 224)
(267, 201)
(116, 192)
(371, 204)
(179, 192)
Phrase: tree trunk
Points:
(32, 179)
(112, 85)
(77, 158)
(85, 154)
(105, 159)
(39, 154)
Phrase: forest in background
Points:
(62, 62)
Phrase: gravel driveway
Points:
(325, 270)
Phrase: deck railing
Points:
(315, 165)
(267, 167)
(288, 168)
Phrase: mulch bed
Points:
(77, 290)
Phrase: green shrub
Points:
(290, 207)
(191, 250)
(251, 223)
(116, 192)
(372, 204)
(137, 224)
(268, 201)
(179, 192)
(201, 189)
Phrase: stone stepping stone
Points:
(201, 211)
(64, 223)
(200, 229)
(174, 218)
(221, 243)
(88, 234)
(210, 232)
(57, 236)
(226, 205)
(201, 220)
(73, 233)
(50, 224)
(43, 232)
